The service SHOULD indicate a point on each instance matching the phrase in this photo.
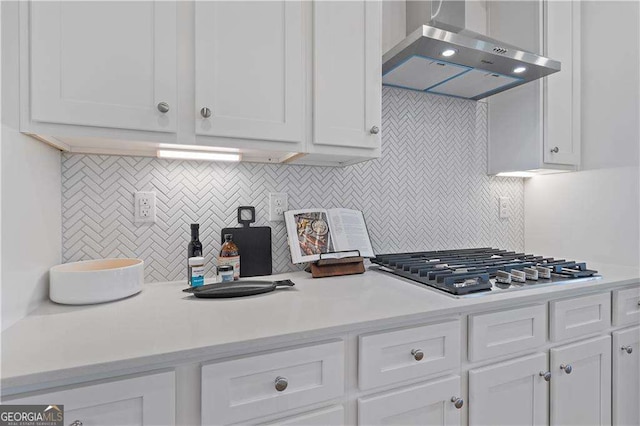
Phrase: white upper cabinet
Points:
(250, 70)
(281, 81)
(104, 64)
(537, 125)
(346, 74)
(562, 89)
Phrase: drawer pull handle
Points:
(457, 402)
(76, 423)
(374, 130)
(546, 375)
(567, 368)
(163, 107)
(627, 349)
(281, 383)
(205, 112)
(417, 354)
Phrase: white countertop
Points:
(163, 324)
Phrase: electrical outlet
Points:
(278, 204)
(144, 207)
(504, 207)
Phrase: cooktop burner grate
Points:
(482, 270)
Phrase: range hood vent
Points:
(444, 58)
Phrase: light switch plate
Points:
(278, 204)
(144, 207)
(504, 207)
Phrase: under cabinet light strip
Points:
(523, 174)
(198, 155)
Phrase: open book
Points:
(312, 232)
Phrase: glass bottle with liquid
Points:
(194, 249)
(230, 255)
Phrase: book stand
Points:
(336, 267)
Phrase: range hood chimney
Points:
(440, 56)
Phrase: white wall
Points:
(594, 214)
(31, 195)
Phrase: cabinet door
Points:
(347, 73)
(333, 416)
(105, 64)
(626, 377)
(562, 89)
(426, 404)
(141, 401)
(509, 393)
(249, 69)
(581, 391)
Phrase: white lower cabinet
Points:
(579, 316)
(409, 353)
(434, 403)
(626, 306)
(507, 331)
(333, 416)
(626, 377)
(581, 383)
(141, 401)
(510, 393)
(266, 384)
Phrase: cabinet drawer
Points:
(431, 403)
(333, 416)
(626, 306)
(245, 388)
(410, 353)
(579, 316)
(140, 401)
(501, 333)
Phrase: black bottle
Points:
(195, 246)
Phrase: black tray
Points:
(236, 289)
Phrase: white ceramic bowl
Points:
(95, 281)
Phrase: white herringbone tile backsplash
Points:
(429, 190)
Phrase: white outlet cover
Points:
(144, 206)
(278, 204)
(504, 207)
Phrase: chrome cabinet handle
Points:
(627, 349)
(567, 368)
(163, 107)
(457, 402)
(281, 383)
(417, 354)
(205, 112)
(374, 130)
(76, 423)
(555, 150)
(546, 375)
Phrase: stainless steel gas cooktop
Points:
(480, 271)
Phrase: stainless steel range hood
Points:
(446, 59)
